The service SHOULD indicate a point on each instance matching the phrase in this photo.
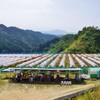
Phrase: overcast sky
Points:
(45, 15)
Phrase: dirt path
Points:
(38, 92)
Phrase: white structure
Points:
(71, 61)
(63, 61)
(82, 64)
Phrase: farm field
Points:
(49, 60)
(22, 91)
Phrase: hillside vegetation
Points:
(62, 43)
(88, 41)
(13, 39)
(94, 95)
(85, 41)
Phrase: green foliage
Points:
(13, 39)
(46, 46)
(62, 43)
(95, 95)
(88, 41)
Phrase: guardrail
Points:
(73, 95)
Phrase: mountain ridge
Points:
(88, 41)
(58, 32)
(13, 39)
(85, 41)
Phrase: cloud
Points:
(24, 4)
(69, 15)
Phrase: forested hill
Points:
(88, 41)
(85, 41)
(13, 39)
(63, 43)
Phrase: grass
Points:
(6, 75)
(94, 95)
(2, 82)
(67, 61)
(17, 91)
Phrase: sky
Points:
(47, 15)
